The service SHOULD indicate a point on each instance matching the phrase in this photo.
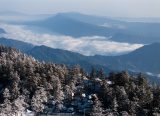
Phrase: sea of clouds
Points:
(83, 45)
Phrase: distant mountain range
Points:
(9, 16)
(92, 19)
(78, 25)
(70, 27)
(144, 59)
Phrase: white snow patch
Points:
(158, 75)
(25, 113)
(149, 73)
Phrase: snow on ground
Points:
(26, 113)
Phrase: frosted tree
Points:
(19, 105)
(93, 76)
(57, 89)
(6, 108)
(124, 113)
(154, 86)
(133, 107)
(76, 71)
(97, 107)
(101, 74)
(114, 104)
(68, 92)
(72, 85)
(109, 114)
(6, 94)
(38, 100)
(26, 93)
(83, 72)
(47, 88)
(14, 89)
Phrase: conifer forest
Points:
(48, 88)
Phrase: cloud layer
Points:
(84, 45)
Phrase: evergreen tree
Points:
(19, 105)
(38, 100)
(101, 74)
(112, 76)
(6, 107)
(114, 105)
(93, 77)
(97, 107)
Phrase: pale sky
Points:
(112, 8)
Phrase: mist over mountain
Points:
(92, 58)
(87, 45)
(75, 24)
(79, 25)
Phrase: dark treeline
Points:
(26, 83)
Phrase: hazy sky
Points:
(113, 8)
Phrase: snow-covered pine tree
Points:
(6, 107)
(19, 105)
(97, 107)
(38, 100)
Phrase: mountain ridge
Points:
(70, 27)
(79, 25)
(98, 61)
(143, 59)
(47, 54)
(23, 46)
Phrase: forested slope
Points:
(26, 83)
